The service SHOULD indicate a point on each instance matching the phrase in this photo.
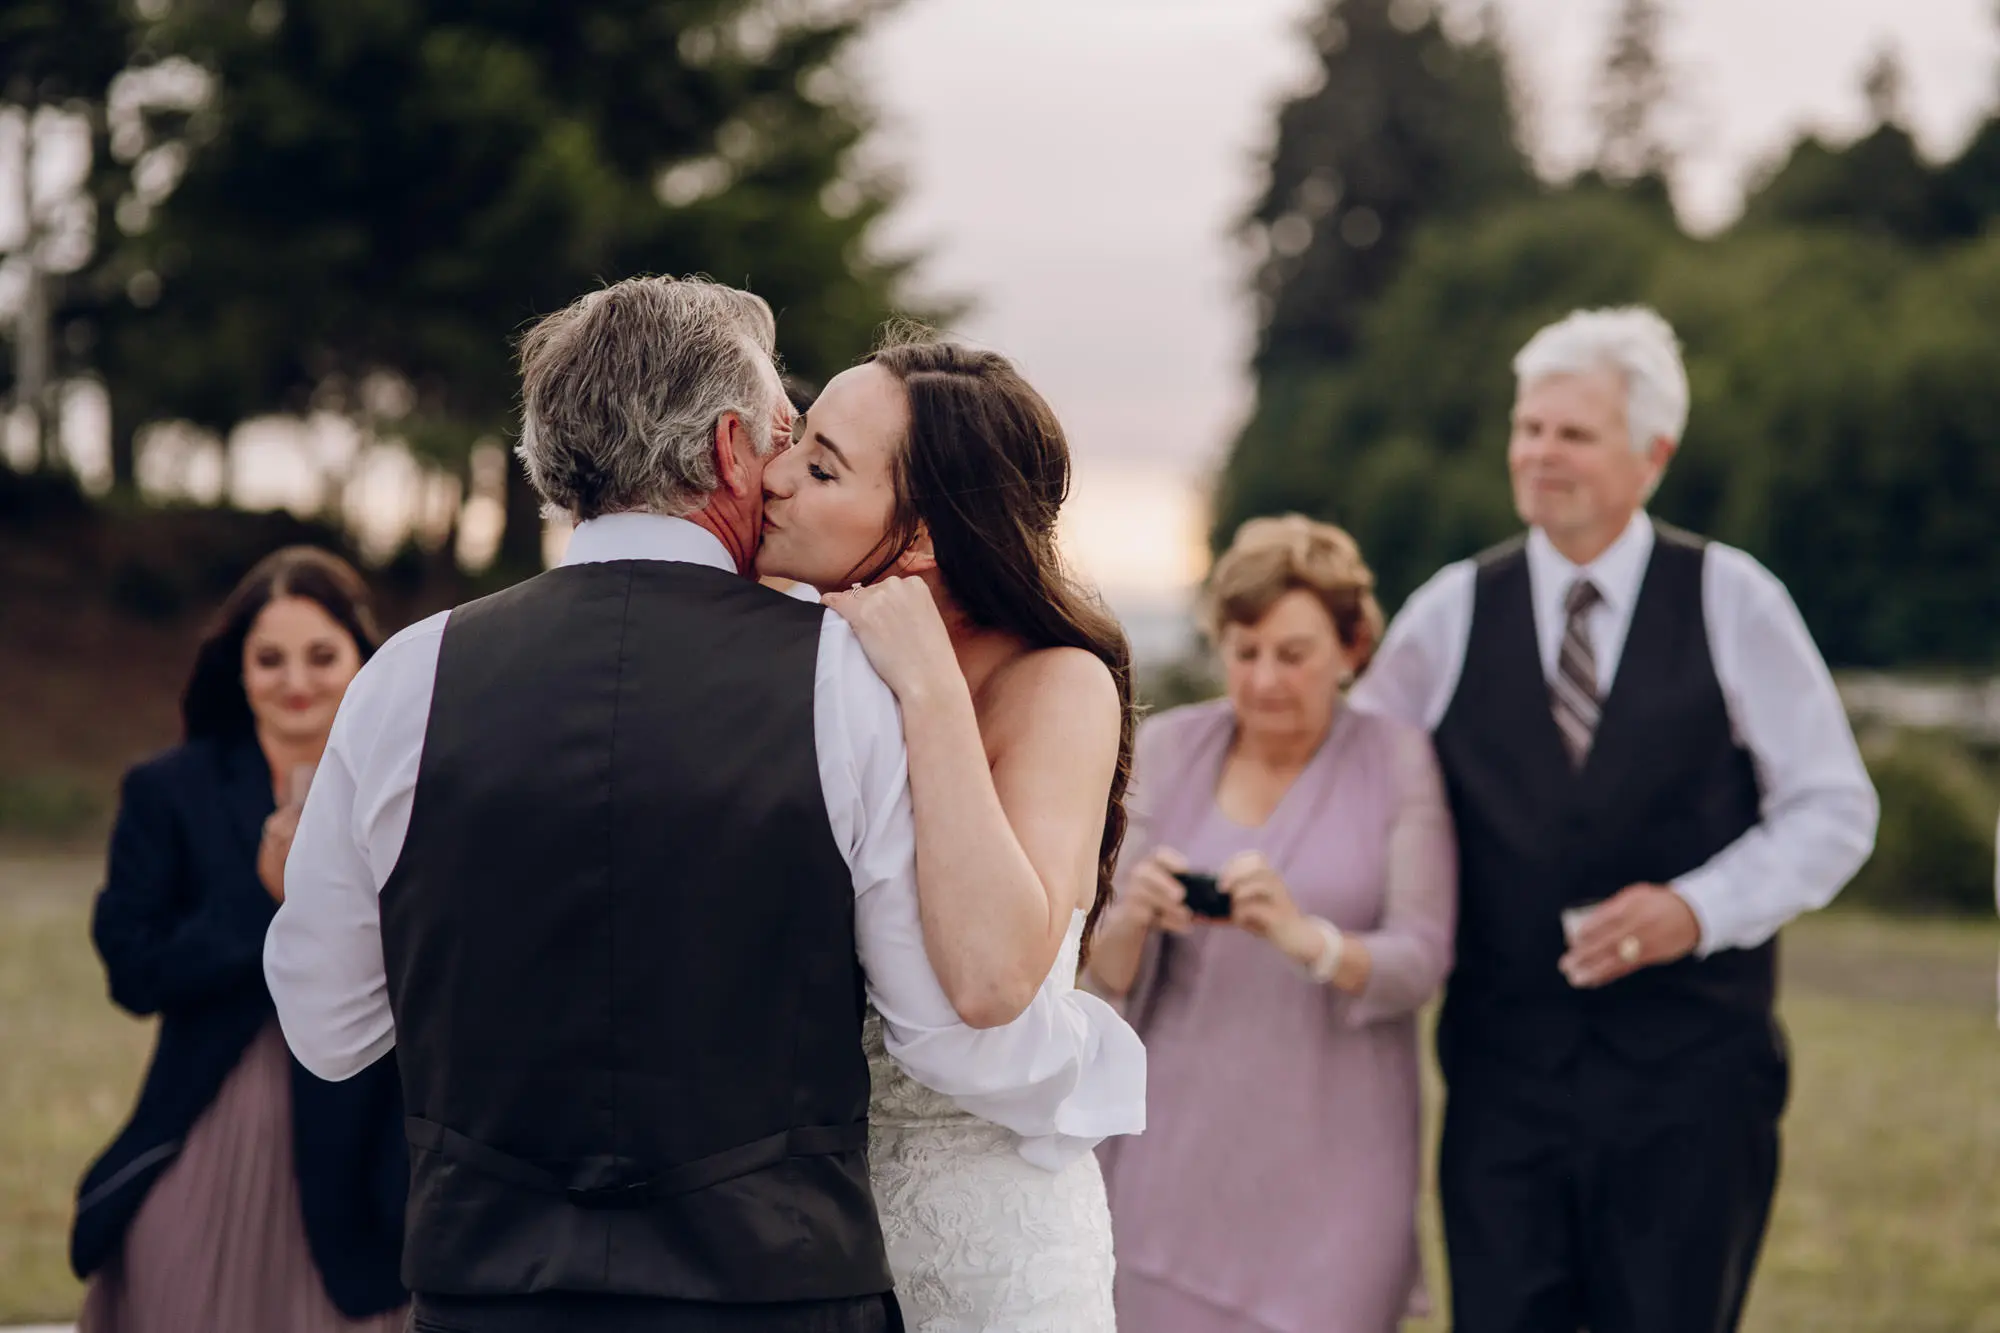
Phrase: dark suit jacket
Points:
(180, 926)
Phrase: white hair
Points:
(1631, 341)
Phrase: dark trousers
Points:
(1614, 1197)
(573, 1312)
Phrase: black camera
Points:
(1204, 896)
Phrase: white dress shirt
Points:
(1065, 1074)
(1819, 808)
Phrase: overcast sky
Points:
(1075, 166)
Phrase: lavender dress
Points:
(219, 1245)
(1275, 1188)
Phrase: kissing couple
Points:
(725, 939)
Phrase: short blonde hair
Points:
(1272, 556)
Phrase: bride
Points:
(920, 495)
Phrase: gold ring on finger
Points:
(1628, 950)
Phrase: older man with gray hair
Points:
(607, 857)
(1650, 773)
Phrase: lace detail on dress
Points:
(980, 1240)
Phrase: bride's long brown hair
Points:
(985, 471)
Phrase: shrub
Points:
(49, 805)
(1934, 849)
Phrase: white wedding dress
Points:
(980, 1240)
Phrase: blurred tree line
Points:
(1840, 337)
(298, 206)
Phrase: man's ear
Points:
(732, 446)
(920, 558)
(1660, 454)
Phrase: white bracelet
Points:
(1333, 944)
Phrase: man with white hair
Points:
(1650, 773)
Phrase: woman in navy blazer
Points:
(245, 1195)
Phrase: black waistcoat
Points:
(620, 951)
(1665, 788)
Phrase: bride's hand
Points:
(900, 629)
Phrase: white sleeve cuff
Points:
(1708, 895)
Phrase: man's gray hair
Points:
(1634, 343)
(621, 393)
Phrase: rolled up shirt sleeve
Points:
(1414, 674)
(1819, 807)
(323, 952)
(1064, 1075)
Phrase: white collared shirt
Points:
(1617, 573)
(1064, 1075)
(1819, 808)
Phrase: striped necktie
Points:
(1574, 692)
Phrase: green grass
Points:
(69, 1070)
(1888, 1217)
(1888, 1209)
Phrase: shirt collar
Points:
(1617, 572)
(645, 537)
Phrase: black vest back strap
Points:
(612, 1191)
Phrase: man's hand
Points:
(1646, 925)
(275, 846)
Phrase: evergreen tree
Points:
(1971, 182)
(1878, 184)
(1883, 86)
(1632, 89)
(1403, 125)
(59, 56)
(378, 197)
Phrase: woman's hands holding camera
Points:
(1262, 905)
(1259, 902)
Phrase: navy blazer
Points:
(180, 925)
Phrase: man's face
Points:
(735, 509)
(1576, 475)
(780, 426)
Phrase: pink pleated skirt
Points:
(219, 1245)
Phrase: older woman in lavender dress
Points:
(1275, 1189)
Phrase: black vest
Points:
(620, 952)
(1664, 789)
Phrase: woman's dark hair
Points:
(214, 704)
(984, 471)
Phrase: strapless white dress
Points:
(981, 1240)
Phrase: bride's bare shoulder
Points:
(1053, 689)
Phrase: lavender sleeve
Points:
(1411, 951)
(1160, 774)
